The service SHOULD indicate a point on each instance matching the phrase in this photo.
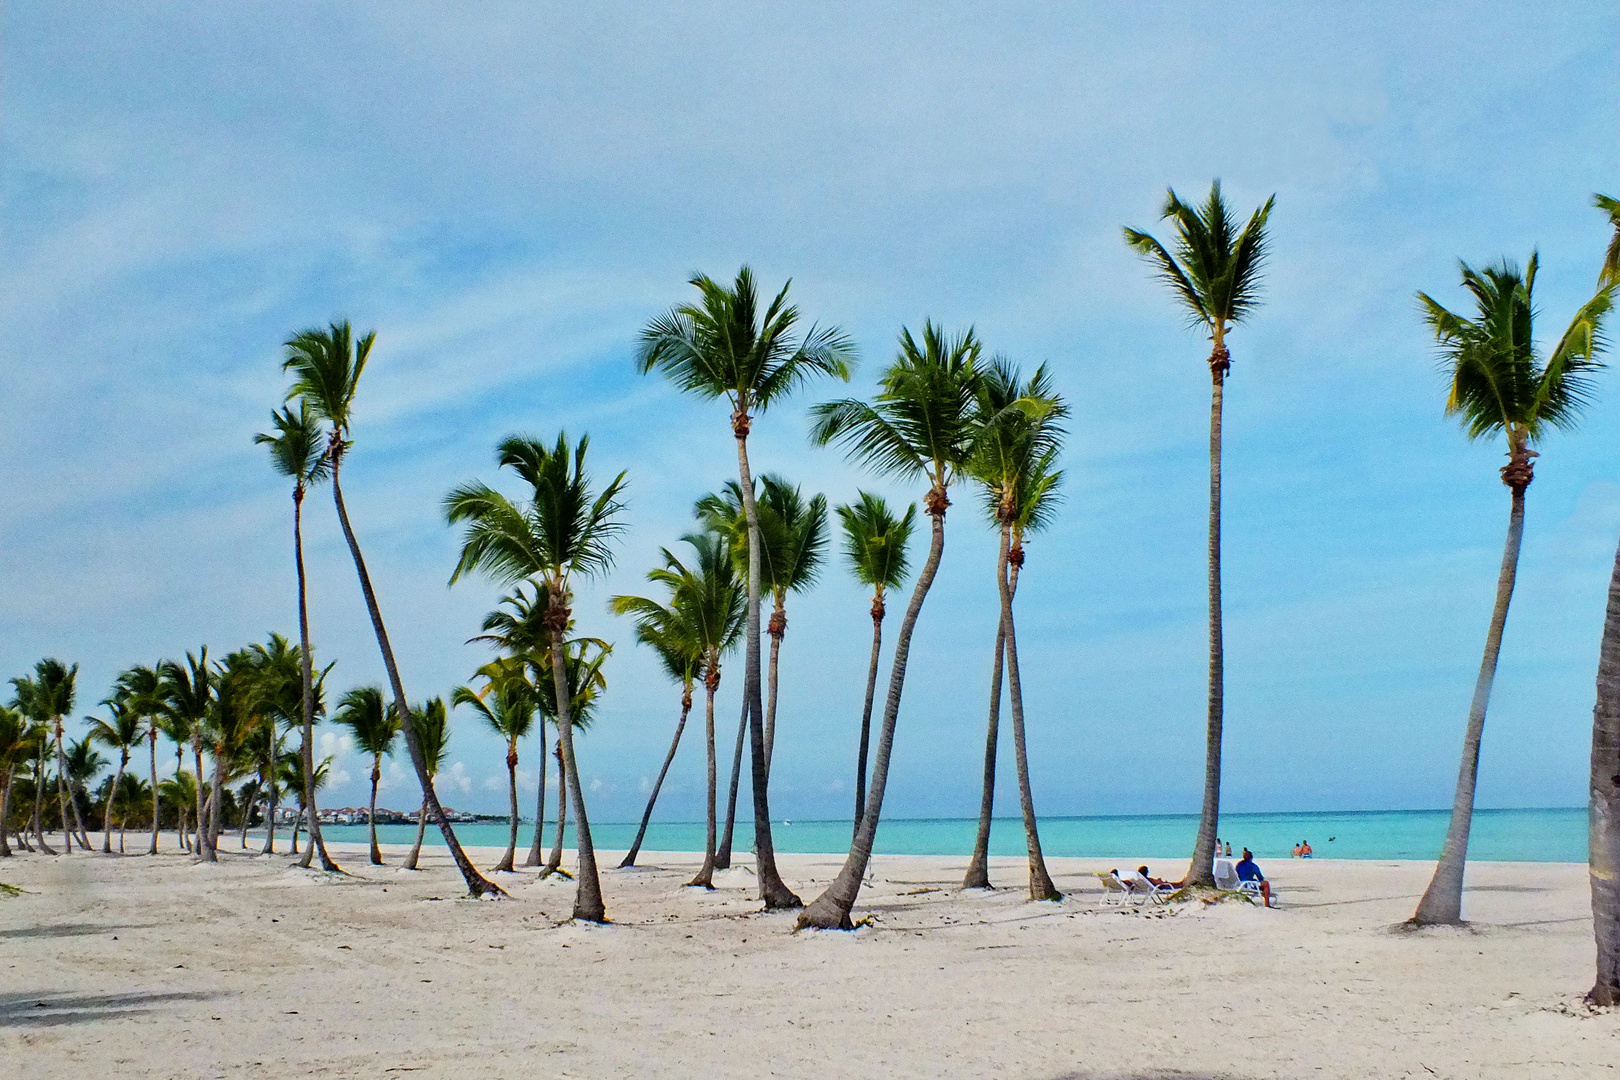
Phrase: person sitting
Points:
(1297, 849)
(1305, 849)
(1151, 880)
(1248, 871)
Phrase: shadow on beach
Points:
(56, 930)
(51, 1010)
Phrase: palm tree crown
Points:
(1215, 267)
(297, 449)
(1610, 274)
(1019, 444)
(725, 347)
(507, 701)
(326, 366)
(432, 723)
(875, 541)
(373, 725)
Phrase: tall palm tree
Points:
(1214, 271)
(233, 717)
(1500, 384)
(564, 532)
(432, 722)
(1015, 466)
(50, 695)
(725, 347)
(875, 543)
(507, 705)
(122, 733)
(326, 367)
(140, 689)
(188, 695)
(13, 749)
(693, 632)
(298, 451)
(375, 727)
(278, 667)
(1604, 803)
(923, 424)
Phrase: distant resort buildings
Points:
(356, 815)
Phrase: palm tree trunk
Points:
(152, 738)
(978, 872)
(271, 802)
(1604, 807)
(831, 909)
(248, 804)
(202, 817)
(112, 795)
(298, 824)
(476, 885)
(511, 786)
(62, 792)
(5, 809)
(722, 857)
(776, 630)
(705, 874)
(534, 858)
(39, 800)
(371, 811)
(588, 886)
(554, 860)
(866, 710)
(1442, 900)
(772, 889)
(306, 666)
(646, 817)
(421, 830)
(208, 834)
(1040, 882)
(1202, 870)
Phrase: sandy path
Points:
(155, 967)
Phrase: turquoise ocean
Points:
(1552, 835)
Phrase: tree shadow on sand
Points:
(51, 1010)
(57, 930)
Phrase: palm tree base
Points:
(824, 914)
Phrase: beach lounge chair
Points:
(1145, 891)
(1226, 875)
(1251, 889)
(1114, 890)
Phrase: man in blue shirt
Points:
(1247, 871)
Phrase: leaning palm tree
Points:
(565, 531)
(507, 705)
(13, 750)
(122, 733)
(298, 451)
(1500, 384)
(374, 726)
(1015, 466)
(1604, 803)
(702, 622)
(140, 689)
(1214, 272)
(432, 722)
(725, 347)
(923, 424)
(326, 367)
(875, 543)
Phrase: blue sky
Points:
(507, 194)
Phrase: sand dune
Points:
(155, 967)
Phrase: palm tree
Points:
(1014, 464)
(128, 794)
(50, 695)
(180, 791)
(278, 676)
(326, 366)
(701, 623)
(588, 682)
(83, 765)
(875, 543)
(293, 773)
(233, 717)
(507, 705)
(297, 451)
(564, 532)
(121, 733)
(188, 695)
(724, 347)
(923, 424)
(1604, 804)
(13, 749)
(1499, 384)
(37, 737)
(1214, 272)
(140, 689)
(432, 722)
(792, 544)
(374, 727)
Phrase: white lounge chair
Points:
(1226, 875)
(1114, 890)
(1145, 890)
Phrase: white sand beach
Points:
(155, 967)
